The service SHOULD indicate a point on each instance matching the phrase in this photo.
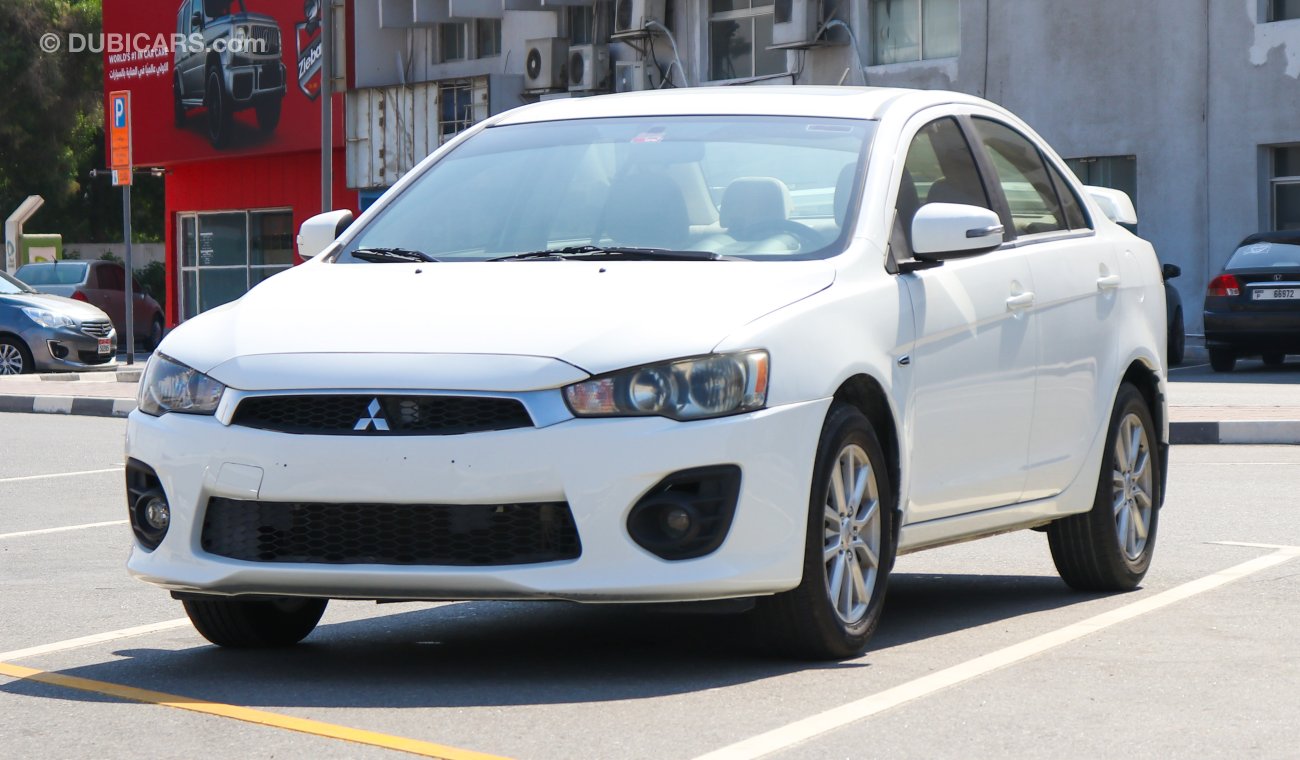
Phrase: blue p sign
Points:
(119, 112)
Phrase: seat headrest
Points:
(750, 202)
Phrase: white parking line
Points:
(63, 529)
(59, 475)
(815, 725)
(97, 638)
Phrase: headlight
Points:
(47, 318)
(240, 34)
(685, 389)
(169, 386)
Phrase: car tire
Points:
(221, 115)
(255, 624)
(15, 359)
(1274, 359)
(178, 108)
(836, 607)
(1177, 340)
(155, 334)
(1109, 547)
(268, 114)
(1222, 359)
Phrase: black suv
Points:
(237, 66)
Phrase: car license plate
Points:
(105, 346)
(1273, 294)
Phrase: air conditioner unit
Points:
(589, 67)
(630, 16)
(795, 23)
(629, 76)
(546, 64)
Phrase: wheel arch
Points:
(868, 396)
(1147, 381)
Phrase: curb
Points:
(1256, 432)
(76, 405)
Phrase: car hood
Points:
(596, 316)
(78, 310)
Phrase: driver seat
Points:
(751, 206)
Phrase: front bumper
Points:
(249, 81)
(67, 348)
(601, 467)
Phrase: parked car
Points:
(101, 284)
(1253, 307)
(630, 374)
(1177, 341)
(39, 331)
(237, 67)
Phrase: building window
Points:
(1283, 10)
(740, 33)
(1115, 172)
(912, 30)
(453, 42)
(225, 254)
(487, 36)
(455, 108)
(582, 24)
(1284, 188)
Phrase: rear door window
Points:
(1023, 176)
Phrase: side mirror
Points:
(1115, 204)
(954, 230)
(318, 232)
(1170, 271)
(196, 20)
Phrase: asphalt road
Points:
(983, 652)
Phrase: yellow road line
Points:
(246, 714)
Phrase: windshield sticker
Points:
(1258, 248)
(650, 136)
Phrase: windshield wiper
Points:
(390, 255)
(592, 252)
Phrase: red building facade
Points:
(226, 96)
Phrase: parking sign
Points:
(119, 136)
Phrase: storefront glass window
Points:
(223, 255)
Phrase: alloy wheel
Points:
(11, 360)
(851, 534)
(1132, 486)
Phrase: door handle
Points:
(1021, 301)
(1109, 282)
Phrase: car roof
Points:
(830, 102)
(1291, 237)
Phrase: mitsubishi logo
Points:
(376, 418)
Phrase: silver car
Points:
(39, 331)
(101, 284)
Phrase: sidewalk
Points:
(1204, 408)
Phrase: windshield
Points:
(1265, 254)
(52, 274)
(761, 187)
(9, 286)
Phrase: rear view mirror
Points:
(1115, 204)
(318, 232)
(954, 230)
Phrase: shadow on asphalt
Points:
(477, 654)
(1246, 371)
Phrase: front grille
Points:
(390, 534)
(381, 415)
(266, 40)
(97, 328)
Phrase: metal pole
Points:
(326, 106)
(130, 276)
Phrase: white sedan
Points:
(672, 346)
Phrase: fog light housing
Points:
(687, 514)
(147, 506)
(57, 349)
